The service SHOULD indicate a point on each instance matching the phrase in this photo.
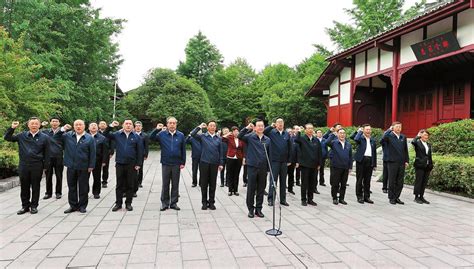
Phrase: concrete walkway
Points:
(439, 235)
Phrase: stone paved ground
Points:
(440, 235)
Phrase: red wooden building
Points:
(420, 72)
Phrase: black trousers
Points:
(308, 182)
(195, 168)
(279, 171)
(78, 185)
(291, 176)
(257, 182)
(385, 176)
(363, 176)
(208, 178)
(298, 174)
(222, 175)
(96, 185)
(421, 180)
(233, 173)
(245, 174)
(139, 180)
(56, 165)
(396, 175)
(338, 180)
(30, 180)
(126, 180)
(170, 175)
(105, 171)
(321, 171)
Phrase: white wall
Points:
(334, 87)
(345, 94)
(440, 27)
(406, 53)
(360, 64)
(465, 33)
(333, 101)
(372, 60)
(345, 74)
(386, 58)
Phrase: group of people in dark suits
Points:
(271, 152)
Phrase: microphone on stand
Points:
(273, 231)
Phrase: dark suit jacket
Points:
(397, 147)
(422, 160)
(362, 146)
(310, 152)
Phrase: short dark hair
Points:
(233, 128)
(258, 120)
(211, 122)
(365, 125)
(342, 129)
(425, 131)
(34, 118)
(54, 118)
(336, 124)
(138, 122)
(395, 123)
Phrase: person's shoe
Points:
(96, 196)
(236, 193)
(245, 185)
(265, 193)
(398, 201)
(163, 208)
(347, 184)
(424, 201)
(58, 196)
(292, 192)
(212, 207)
(251, 214)
(384, 190)
(46, 197)
(69, 210)
(22, 211)
(116, 208)
(204, 207)
(259, 213)
(304, 203)
(367, 200)
(135, 194)
(418, 200)
(104, 185)
(316, 191)
(140, 186)
(360, 201)
(222, 185)
(322, 184)
(313, 203)
(82, 210)
(124, 194)
(230, 194)
(270, 203)
(34, 210)
(393, 202)
(129, 207)
(370, 191)
(194, 185)
(284, 203)
(175, 207)
(342, 202)
(334, 201)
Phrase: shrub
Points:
(450, 173)
(456, 138)
(8, 162)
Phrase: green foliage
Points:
(455, 138)
(450, 173)
(164, 94)
(368, 18)
(202, 60)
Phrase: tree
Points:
(72, 46)
(164, 94)
(202, 60)
(368, 18)
(232, 96)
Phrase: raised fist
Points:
(115, 123)
(164, 128)
(273, 124)
(15, 124)
(332, 129)
(360, 129)
(250, 126)
(203, 125)
(159, 126)
(44, 123)
(67, 127)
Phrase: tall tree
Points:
(368, 18)
(202, 60)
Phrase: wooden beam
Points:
(343, 62)
(329, 75)
(383, 46)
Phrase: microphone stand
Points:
(273, 231)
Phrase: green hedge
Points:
(8, 162)
(455, 138)
(450, 173)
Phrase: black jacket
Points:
(397, 148)
(55, 143)
(310, 151)
(422, 160)
(32, 151)
(101, 148)
(359, 138)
